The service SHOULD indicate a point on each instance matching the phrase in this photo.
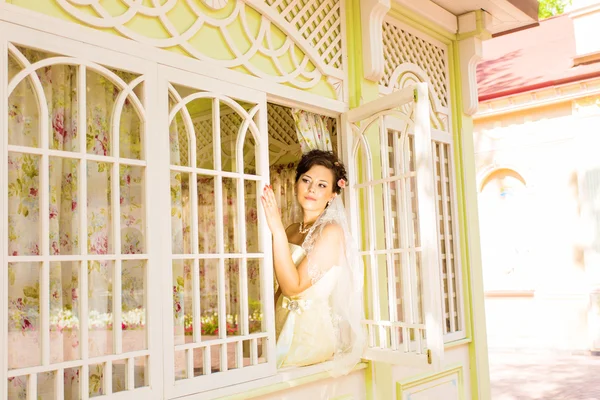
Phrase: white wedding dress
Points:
(304, 325)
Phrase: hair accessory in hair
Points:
(337, 164)
(341, 183)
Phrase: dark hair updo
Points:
(326, 159)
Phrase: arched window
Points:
(505, 214)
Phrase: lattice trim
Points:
(283, 142)
(402, 47)
(313, 26)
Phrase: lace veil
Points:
(347, 296)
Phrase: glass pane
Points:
(199, 361)
(414, 210)
(249, 154)
(133, 305)
(262, 350)
(100, 292)
(72, 384)
(23, 204)
(204, 134)
(130, 139)
(399, 283)
(132, 209)
(207, 240)
(255, 312)
(141, 372)
(99, 208)
(252, 235)
(17, 388)
(232, 296)
(100, 104)
(24, 323)
(119, 370)
(215, 358)
(64, 311)
(64, 206)
(181, 215)
(46, 382)
(60, 90)
(183, 308)
(180, 365)
(96, 380)
(179, 142)
(209, 298)
(231, 122)
(23, 110)
(230, 216)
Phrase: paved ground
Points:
(519, 375)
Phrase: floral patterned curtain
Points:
(312, 130)
(59, 84)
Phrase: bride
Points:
(319, 303)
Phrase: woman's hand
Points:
(272, 211)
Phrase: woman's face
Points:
(315, 188)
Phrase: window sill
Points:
(284, 379)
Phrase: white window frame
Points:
(85, 55)
(450, 212)
(382, 109)
(170, 75)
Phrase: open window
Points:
(389, 156)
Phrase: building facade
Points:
(136, 261)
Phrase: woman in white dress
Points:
(319, 302)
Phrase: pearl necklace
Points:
(303, 230)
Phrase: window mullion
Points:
(387, 215)
(445, 220)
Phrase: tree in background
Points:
(549, 8)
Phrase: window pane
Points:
(231, 227)
(252, 234)
(46, 381)
(232, 296)
(130, 132)
(100, 284)
(255, 303)
(180, 213)
(209, 298)
(64, 206)
(133, 305)
(100, 104)
(24, 324)
(119, 382)
(64, 311)
(23, 110)
(17, 388)
(183, 311)
(207, 217)
(133, 211)
(231, 122)
(141, 372)
(96, 380)
(72, 384)
(179, 142)
(99, 208)
(23, 204)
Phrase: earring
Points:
(328, 203)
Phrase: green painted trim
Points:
(407, 384)
(457, 343)
(480, 29)
(263, 391)
(469, 233)
(421, 23)
(354, 51)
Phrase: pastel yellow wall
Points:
(208, 42)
